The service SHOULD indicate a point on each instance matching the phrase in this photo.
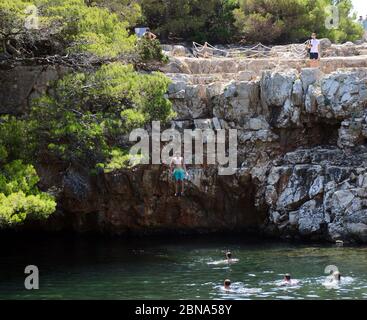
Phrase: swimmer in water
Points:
(227, 284)
(287, 278)
(229, 259)
(337, 277)
(333, 280)
(229, 256)
(288, 281)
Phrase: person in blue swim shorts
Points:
(178, 172)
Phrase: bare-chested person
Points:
(178, 168)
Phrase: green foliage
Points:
(284, 21)
(149, 50)
(13, 26)
(128, 10)
(349, 30)
(102, 27)
(120, 159)
(12, 17)
(132, 119)
(79, 27)
(18, 207)
(91, 29)
(197, 20)
(89, 113)
(18, 177)
(268, 21)
(20, 198)
(15, 141)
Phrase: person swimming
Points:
(227, 284)
(287, 278)
(229, 256)
(337, 277)
(288, 281)
(333, 281)
(229, 259)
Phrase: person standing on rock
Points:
(149, 35)
(315, 52)
(179, 173)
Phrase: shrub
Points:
(149, 50)
(20, 198)
(79, 27)
(89, 113)
(284, 21)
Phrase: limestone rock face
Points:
(297, 128)
(344, 93)
(20, 84)
(238, 102)
(320, 193)
(302, 152)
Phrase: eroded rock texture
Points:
(301, 155)
(302, 135)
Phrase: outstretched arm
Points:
(170, 166)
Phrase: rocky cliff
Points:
(302, 154)
(302, 135)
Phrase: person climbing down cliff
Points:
(313, 47)
(179, 173)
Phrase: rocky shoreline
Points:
(302, 166)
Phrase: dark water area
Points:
(73, 267)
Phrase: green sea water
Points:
(185, 268)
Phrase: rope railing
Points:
(297, 51)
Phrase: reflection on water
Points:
(188, 269)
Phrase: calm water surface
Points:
(177, 269)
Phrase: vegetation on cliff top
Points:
(252, 21)
(41, 27)
(105, 27)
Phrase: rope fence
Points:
(293, 51)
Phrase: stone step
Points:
(231, 66)
(205, 79)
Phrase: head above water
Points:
(227, 283)
(287, 277)
(337, 275)
(229, 255)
